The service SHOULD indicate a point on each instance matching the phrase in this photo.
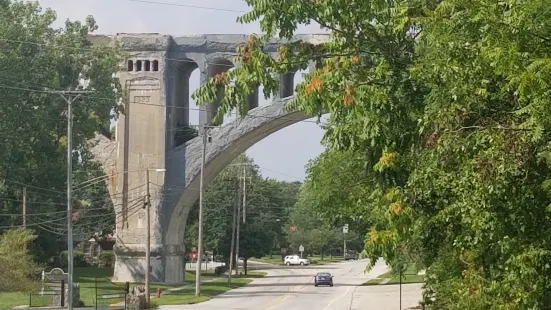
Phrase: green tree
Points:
(36, 57)
(337, 189)
(19, 269)
(446, 105)
(267, 205)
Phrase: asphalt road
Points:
(292, 288)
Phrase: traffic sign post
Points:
(301, 249)
(344, 231)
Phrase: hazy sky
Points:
(282, 155)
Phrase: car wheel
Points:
(301, 263)
(288, 264)
(316, 285)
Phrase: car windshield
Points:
(324, 274)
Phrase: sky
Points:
(282, 155)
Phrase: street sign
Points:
(301, 249)
(345, 229)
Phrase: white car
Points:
(296, 260)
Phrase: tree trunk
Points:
(321, 253)
(227, 263)
(245, 265)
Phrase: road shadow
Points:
(290, 276)
(289, 284)
(241, 294)
(271, 267)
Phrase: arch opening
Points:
(182, 131)
(208, 112)
(233, 114)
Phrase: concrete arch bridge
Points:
(157, 77)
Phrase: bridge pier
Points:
(174, 264)
(131, 266)
(167, 264)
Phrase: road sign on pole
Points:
(345, 229)
(301, 249)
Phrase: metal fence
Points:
(107, 295)
(52, 295)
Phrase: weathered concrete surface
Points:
(145, 138)
(201, 43)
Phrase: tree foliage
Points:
(337, 189)
(19, 270)
(446, 105)
(35, 59)
(316, 233)
(268, 203)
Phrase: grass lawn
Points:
(208, 290)
(315, 260)
(410, 276)
(91, 279)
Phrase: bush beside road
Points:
(388, 278)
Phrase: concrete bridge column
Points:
(208, 111)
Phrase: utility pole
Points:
(244, 203)
(244, 192)
(237, 237)
(148, 236)
(24, 214)
(200, 234)
(235, 207)
(70, 96)
(148, 240)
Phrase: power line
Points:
(188, 6)
(32, 186)
(168, 106)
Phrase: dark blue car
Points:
(323, 278)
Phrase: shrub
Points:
(78, 259)
(107, 259)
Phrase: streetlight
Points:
(201, 194)
(148, 242)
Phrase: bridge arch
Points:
(226, 144)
